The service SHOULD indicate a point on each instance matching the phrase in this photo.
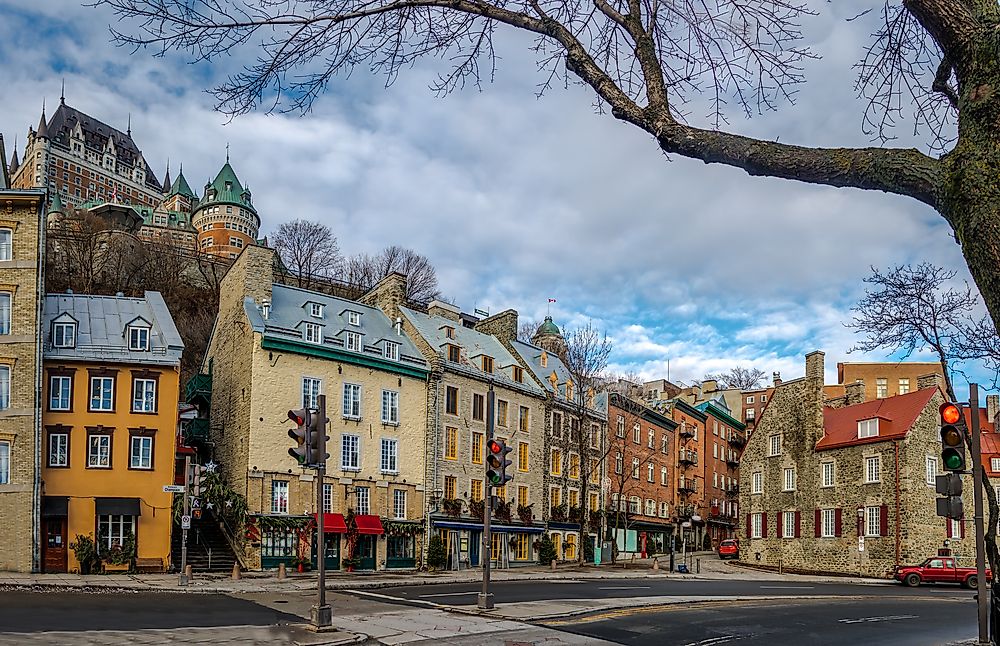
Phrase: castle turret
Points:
(225, 217)
(549, 338)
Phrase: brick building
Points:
(886, 378)
(720, 468)
(847, 489)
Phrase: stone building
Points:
(277, 348)
(225, 217)
(22, 247)
(847, 489)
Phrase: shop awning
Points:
(117, 507)
(54, 506)
(368, 524)
(333, 524)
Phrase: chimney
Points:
(387, 294)
(708, 386)
(776, 378)
(932, 380)
(399, 326)
(445, 310)
(992, 408)
(814, 365)
(855, 393)
(502, 325)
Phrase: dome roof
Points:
(547, 327)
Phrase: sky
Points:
(689, 268)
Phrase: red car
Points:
(729, 549)
(938, 569)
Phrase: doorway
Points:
(54, 559)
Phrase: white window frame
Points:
(829, 474)
(138, 338)
(774, 445)
(881, 387)
(868, 428)
(635, 468)
(312, 388)
(279, 496)
(994, 464)
(399, 504)
(6, 307)
(313, 333)
(350, 452)
(904, 385)
(316, 310)
(757, 525)
(100, 400)
(64, 335)
(6, 244)
(352, 401)
(353, 318)
(390, 407)
(140, 452)
(116, 527)
(650, 472)
(391, 351)
(788, 524)
(60, 393)
(828, 523)
(873, 469)
(352, 341)
(664, 481)
(620, 427)
(4, 387)
(58, 454)
(364, 500)
(389, 462)
(931, 470)
(757, 482)
(788, 479)
(327, 498)
(101, 459)
(141, 391)
(873, 521)
(749, 399)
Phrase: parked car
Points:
(938, 569)
(729, 549)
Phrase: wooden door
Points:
(54, 559)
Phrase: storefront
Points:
(401, 543)
(334, 527)
(510, 545)
(653, 538)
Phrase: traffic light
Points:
(196, 472)
(952, 438)
(497, 463)
(949, 485)
(317, 439)
(301, 434)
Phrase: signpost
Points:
(187, 515)
(173, 488)
(485, 599)
(185, 522)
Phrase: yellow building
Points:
(109, 419)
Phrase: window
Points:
(114, 530)
(519, 376)
(650, 507)
(5, 313)
(501, 413)
(310, 392)
(750, 414)
(454, 354)
(757, 525)
(143, 395)
(544, 359)
(58, 450)
(449, 487)
(138, 338)
(327, 498)
(828, 474)
(620, 428)
(932, 468)
(873, 521)
(881, 387)
(557, 424)
(570, 553)
(574, 465)
(635, 468)
(449, 332)
(6, 244)
(650, 470)
(522, 456)
(352, 401)
(141, 452)
(487, 364)
(828, 523)
(555, 498)
(522, 419)
(619, 463)
(757, 482)
(399, 504)
(64, 335)
(391, 351)
(663, 476)
(555, 462)
(102, 393)
(763, 399)
(595, 434)
(477, 448)
(99, 451)
(60, 392)
(364, 500)
(873, 469)
(665, 444)
(904, 386)
(521, 547)
(352, 340)
(315, 309)
(637, 434)
(451, 400)
(478, 406)
(522, 496)
(390, 407)
(789, 479)
(390, 455)
(867, 428)
(749, 399)
(476, 490)
(788, 524)
(774, 445)
(715, 450)
(451, 443)
(350, 453)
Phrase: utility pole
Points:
(186, 516)
(977, 496)
(322, 614)
(485, 598)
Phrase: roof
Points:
(101, 328)
(289, 314)
(547, 327)
(181, 187)
(474, 343)
(4, 180)
(717, 407)
(226, 189)
(532, 355)
(647, 413)
(896, 417)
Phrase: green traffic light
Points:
(493, 477)
(953, 460)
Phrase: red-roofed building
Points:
(846, 484)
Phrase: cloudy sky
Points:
(517, 199)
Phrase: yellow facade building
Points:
(109, 419)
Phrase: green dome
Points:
(547, 327)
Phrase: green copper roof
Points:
(180, 187)
(57, 205)
(226, 189)
(548, 327)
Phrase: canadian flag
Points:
(552, 300)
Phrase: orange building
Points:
(109, 419)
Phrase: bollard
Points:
(236, 570)
(187, 572)
(281, 571)
(656, 564)
(553, 564)
(697, 566)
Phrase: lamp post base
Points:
(321, 616)
(485, 601)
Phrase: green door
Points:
(366, 552)
(332, 551)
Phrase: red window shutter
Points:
(798, 524)
(763, 524)
(947, 528)
(749, 525)
(818, 524)
(778, 521)
(884, 521)
(837, 523)
(961, 524)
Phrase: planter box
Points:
(117, 569)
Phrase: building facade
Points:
(886, 378)
(721, 469)
(225, 217)
(112, 379)
(22, 244)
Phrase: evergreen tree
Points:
(436, 556)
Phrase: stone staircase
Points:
(208, 549)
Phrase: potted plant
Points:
(559, 513)
(452, 506)
(477, 508)
(301, 564)
(85, 552)
(525, 514)
(437, 559)
(351, 562)
(119, 557)
(502, 511)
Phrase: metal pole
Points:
(186, 513)
(977, 496)
(322, 614)
(485, 598)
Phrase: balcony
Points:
(687, 457)
(733, 491)
(687, 431)
(737, 440)
(687, 486)
(199, 390)
(196, 430)
(732, 462)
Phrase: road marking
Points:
(627, 587)
(446, 594)
(787, 587)
(712, 640)
(376, 595)
(875, 620)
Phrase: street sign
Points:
(861, 543)
(195, 503)
(173, 488)
(185, 522)
(196, 513)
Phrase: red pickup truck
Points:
(938, 569)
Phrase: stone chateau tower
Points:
(225, 217)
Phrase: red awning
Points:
(333, 524)
(368, 524)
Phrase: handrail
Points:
(230, 535)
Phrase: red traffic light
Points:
(494, 447)
(298, 417)
(950, 413)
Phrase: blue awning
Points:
(503, 529)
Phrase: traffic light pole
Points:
(485, 598)
(322, 614)
(977, 497)
(186, 513)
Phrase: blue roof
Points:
(532, 355)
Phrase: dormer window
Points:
(316, 310)
(354, 318)
(449, 332)
(518, 374)
(138, 338)
(391, 351)
(544, 360)
(353, 342)
(64, 335)
(868, 428)
(313, 333)
(454, 354)
(487, 364)
(569, 390)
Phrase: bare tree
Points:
(930, 60)
(526, 330)
(308, 249)
(421, 277)
(913, 308)
(740, 378)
